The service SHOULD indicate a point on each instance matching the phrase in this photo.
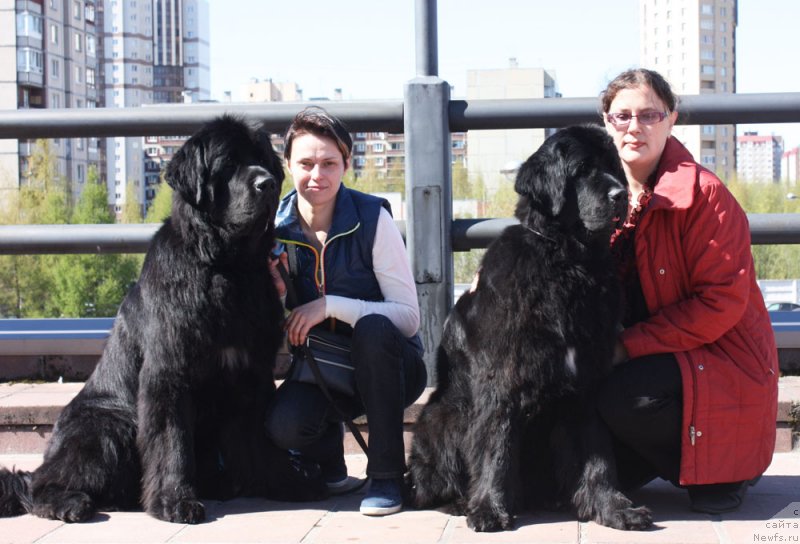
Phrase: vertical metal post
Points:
(429, 207)
(428, 186)
(427, 38)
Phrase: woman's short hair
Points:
(638, 77)
(315, 120)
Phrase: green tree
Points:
(90, 285)
(27, 279)
(771, 261)
(132, 210)
(161, 205)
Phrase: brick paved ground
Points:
(338, 521)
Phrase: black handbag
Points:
(324, 360)
(331, 353)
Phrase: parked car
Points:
(783, 307)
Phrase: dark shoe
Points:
(717, 498)
(385, 496)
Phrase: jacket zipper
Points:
(321, 285)
(319, 257)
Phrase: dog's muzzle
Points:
(263, 181)
(619, 198)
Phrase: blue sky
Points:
(367, 47)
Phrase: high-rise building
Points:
(692, 44)
(155, 51)
(790, 165)
(758, 158)
(48, 59)
(489, 152)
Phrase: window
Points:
(55, 100)
(88, 12)
(707, 54)
(55, 69)
(76, 9)
(29, 24)
(81, 174)
(707, 9)
(78, 74)
(377, 148)
(90, 77)
(360, 147)
(707, 25)
(53, 34)
(30, 60)
(709, 129)
(77, 41)
(91, 48)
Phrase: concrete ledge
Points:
(28, 412)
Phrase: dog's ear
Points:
(540, 179)
(188, 172)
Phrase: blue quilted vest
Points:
(344, 266)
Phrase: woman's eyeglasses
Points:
(621, 120)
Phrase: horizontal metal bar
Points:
(769, 228)
(559, 112)
(765, 228)
(185, 119)
(181, 119)
(68, 336)
(63, 239)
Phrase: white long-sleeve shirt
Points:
(392, 270)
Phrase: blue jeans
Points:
(390, 375)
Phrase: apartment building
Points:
(692, 44)
(759, 157)
(489, 152)
(49, 59)
(155, 51)
(790, 165)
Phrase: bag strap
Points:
(291, 299)
(312, 363)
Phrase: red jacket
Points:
(698, 279)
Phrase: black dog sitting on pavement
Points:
(512, 422)
(173, 411)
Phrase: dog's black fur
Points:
(512, 421)
(174, 409)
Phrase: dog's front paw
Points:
(485, 519)
(632, 519)
(69, 506)
(181, 511)
(621, 514)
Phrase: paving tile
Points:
(117, 527)
(26, 529)
(407, 527)
(253, 520)
(556, 528)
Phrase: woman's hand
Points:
(277, 280)
(302, 318)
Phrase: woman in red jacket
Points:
(693, 395)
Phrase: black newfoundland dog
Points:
(174, 409)
(512, 422)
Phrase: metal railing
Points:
(427, 116)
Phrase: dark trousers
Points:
(642, 404)
(390, 375)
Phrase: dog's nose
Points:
(617, 193)
(264, 182)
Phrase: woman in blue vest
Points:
(351, 269)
